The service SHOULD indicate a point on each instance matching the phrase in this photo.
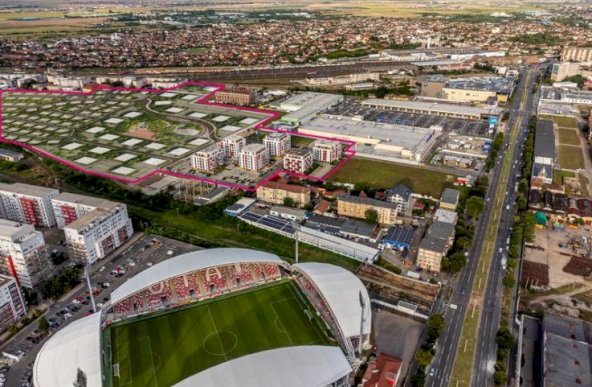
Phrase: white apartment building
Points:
(298, 160)
(253, 157)
(277, 144)
(326, 151)
(23, 254)
(26, 203)
(578, 54)
(208, 159)
(97, 233)
(67, 207)
(232, 146)
(12, 306)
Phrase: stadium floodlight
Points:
(90, 290)
(296, 226)
(363, 306)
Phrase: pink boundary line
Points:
(204, 100)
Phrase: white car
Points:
(149, 264)
(132, 264)
(75, 301)
(102, 268)
(106, 284)
(100, 305)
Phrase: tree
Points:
(30, 297)
(504, 338)
(423, 357)
(435, 325)
(12, 329)
(381, 91)
(43, 325)
(500, 378)
(288, 201)
(509, 281)
(371, 216)
(529, 223)
(455, 262)
(463, 242)
(474, 206)
(418, 380)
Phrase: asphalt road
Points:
(454, 316)
(485, 356)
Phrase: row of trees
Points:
(505, 342)
(61, 283)
(496, 146)
(424, 356)
(471, 206)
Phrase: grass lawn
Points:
(558, 175)
(565, 122)
(571, 157)
(165, 349)
(382, 175)
(226, 232)
(301, 142)
(568, 136)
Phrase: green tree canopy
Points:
(474, 206)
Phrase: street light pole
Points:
(90, 291)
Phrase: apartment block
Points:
(12, 305)
(576, 54)
(239, 95)
(356, 207)
(232, 146)
(23, 254)
(94, 235)
(326, 151)
(253, 157)
(26, 203)
(208, 159)
(277, 144)
(275, 192)
(298, 160)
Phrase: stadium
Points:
(218, 317)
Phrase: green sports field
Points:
(164, 349)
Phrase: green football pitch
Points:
(164, 349)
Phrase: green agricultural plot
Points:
(568, 137)
(123, 133)
(571, 157)
(165, 349)
(383, 175)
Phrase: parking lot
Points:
(107, 275)
(352, 107)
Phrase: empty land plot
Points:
(571, 157)
(164, 349)
(568, 136)
(383, 175)
(562, 122)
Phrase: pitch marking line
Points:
(216, 331)
(277, 318)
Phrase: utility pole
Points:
(296, 239)
(363, 305)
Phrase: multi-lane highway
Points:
(441, 368)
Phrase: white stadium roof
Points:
(309, 366)
(185, 263)
(73, 347)
(341, 290)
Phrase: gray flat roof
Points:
(450, 196)
(433, 107)
(369, 201)
(496, 84)
(544, 140)
(27, 189)
(433, 244)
